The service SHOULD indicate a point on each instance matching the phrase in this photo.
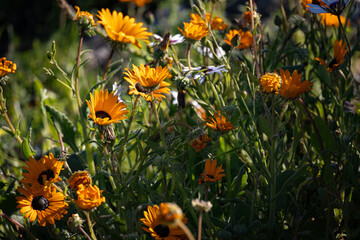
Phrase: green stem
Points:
(77, 91)
(108, 63)
(92, 233)
(107, 158)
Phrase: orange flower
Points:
(212, 172)
(270, 82)
(216, 24)
(305, 3)
(6, 67)
(332, 20)
(89, 197)
(200, 143)
(139, 3)
(292, 86)
(79, 178)
(339, 56)
(84, 15)
(247, 16)
(246, 38)
(194, 31)
(219, 123)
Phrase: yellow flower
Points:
(246, 38)
(79, 178)
(43, 172)
(139, 3)
(105, 108)
(200, 142)
(6, 67)
(45, 204)
(194, 31)
(292, 86)
(332, 20)
(219, 123)
(89, 197)
(145, 80)
(123, 29)
(212, 172)
(158, 228)
(339, 56)
(85, 15)
(270, 82)
(216, 24)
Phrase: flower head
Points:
(219, 52)
(6, 67)
(328, 6)
(270, 82)
(339, 56)
(123, 29)
(105, 108)
(43, 172)
(45, 204)
(200, 142)
(212, 172)
(139, 3)
(331, 20)
(194, 31)
(89, 197)
(84, 16)
(200, 72)
(219, 123)
(216, 23)
(246, 38)
(159, 229)
(173, 40)
(79, 178)
(292, 86)
(201, 205)
(145, 81)
(117, 88)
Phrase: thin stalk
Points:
(188, 51)
(77, 91)
(83, 232)
(347, 41)
(200, 224)
(107, 158)
(185, 229)
(92, 233)
(255, 59)
(108, 63)
(17, 225)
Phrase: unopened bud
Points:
(236, 40)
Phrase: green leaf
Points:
(66, 126)
(26, 149)
(264, 126)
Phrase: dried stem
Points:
(254, 40)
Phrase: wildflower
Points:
(339, 56)
(45, 204)
(145, 80)
(200, 142)
(328, 6)
(219, 52)
(159, 229)
(216, 24)
(89, 197)
(75, 221)
(170, 213)
(123, 29)
(270, 82)
(79, 178)
(332, 20)
(246, 38)
(105, 108)
(219, 123)
(201, 205)
(305, 3)
(292, 86)
(6, 67)
(200, 111)
(84, 16)
(212, 172)
(193, 31)
(200, 72)
(173, 40)
(43, 172)
(139, 3)
(117, 88)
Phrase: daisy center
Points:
(210, 176)
(39, 203)
(162, 230)
(102, 114)
(45, 175)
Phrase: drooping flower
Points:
(84, 16)
(139, 3)
(79, 178)
(270, 83)
(105, 108)
(328, 6)
(201, 205)
(122, 28)
(145, 81)
(212, 172)
(219, 123)
(200, 142)
(339, 56)
(43, 172)
(159, 229)
(45, 204)
(6, 67)
(219, 52)
(246, 38)
(194, 31)
(200, 111)
(292, 86)
(332, 20)
(89, 197)
(216, 23)
(173, 40)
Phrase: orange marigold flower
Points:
(85, 15)
(145, 81)
(212, 172)
(194, 31)
(123, 29)
(139, 3)
(292, 86)
(45, 204)
(79, 178)
(89, 197)
(270, 83)
(200, 142)
(6, 67)
(340, 51)
(219, 123)
(332, 20)
(246, 38)
(216, 24)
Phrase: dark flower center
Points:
(332, 62)
(39, 203)
(162, 230)
(102, 114)
(49, 174)
(210, 176)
